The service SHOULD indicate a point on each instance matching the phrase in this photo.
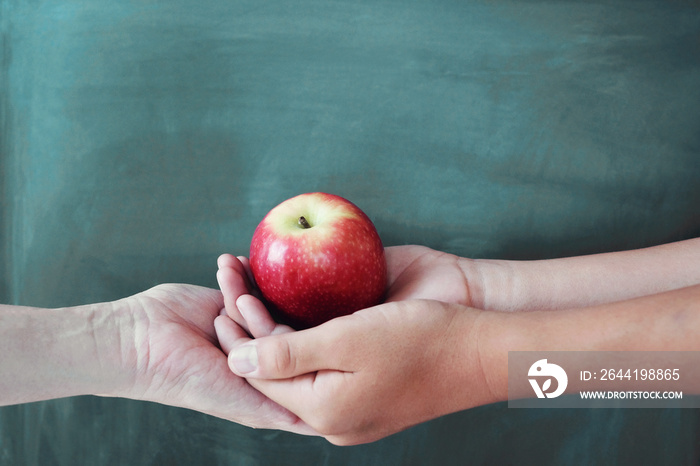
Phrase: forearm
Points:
(54, 353)
(584, 280)
(668, 321)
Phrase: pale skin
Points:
(159, 345)
(440, 342)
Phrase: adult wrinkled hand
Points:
(177, 359)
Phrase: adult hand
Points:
(159, 345)
(177, 361)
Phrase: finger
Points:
(227, 278)
(254, 290)
(260, 322)
(295, 394)
(229, 333)
(226, 260)
(241, 265)
(397, 259)
(233, 284)
(289, 354)
(246, 266)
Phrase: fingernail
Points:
(244, 358)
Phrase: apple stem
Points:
(304, 223)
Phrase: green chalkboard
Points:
(141, 139)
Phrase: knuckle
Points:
(282, 362)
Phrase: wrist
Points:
(493, 284)
(93, 347)
(495, 334)
(483, 364)
(541, 285)
(499, 333)
(589, 329)
(56, 353)
(111, 327)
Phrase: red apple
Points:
(317, 256)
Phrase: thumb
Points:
(279, 356)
